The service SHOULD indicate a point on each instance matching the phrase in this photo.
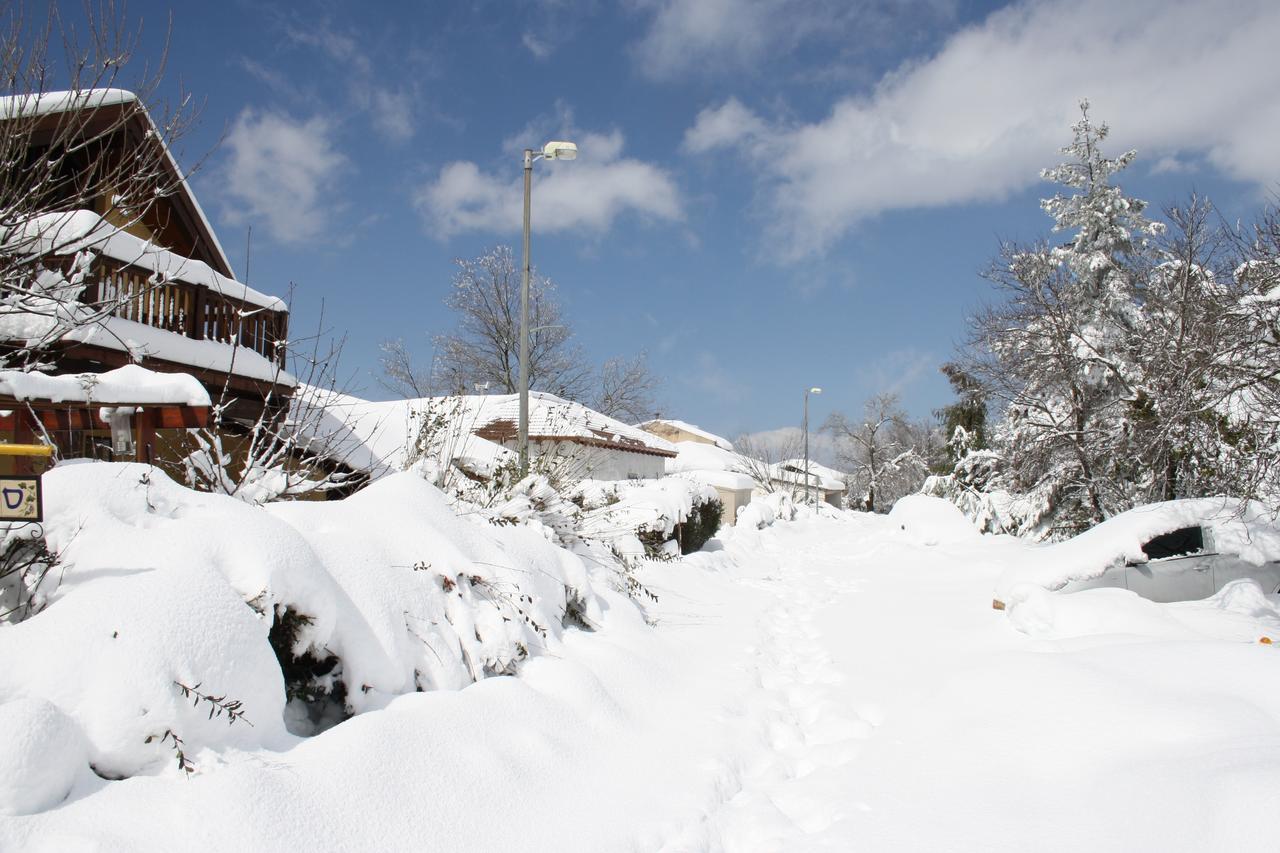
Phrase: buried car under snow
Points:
(1181, 550)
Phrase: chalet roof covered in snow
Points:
(45, 104)
(692, 429)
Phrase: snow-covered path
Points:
(818, 685)
(900, 712)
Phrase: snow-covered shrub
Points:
(930, 520)
(313, 685)
(703, 523)
(764, 510)
(534, 500)
(176, 604)
(111, 652)
(26, 564)
(642, 518)
(42, 754)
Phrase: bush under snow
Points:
(165, 591)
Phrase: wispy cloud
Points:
(728, 36)
(340, 47)
(342, 79)
(539, 47)
(711, 377)
(980, 118)
(278, 172)
(895, 371)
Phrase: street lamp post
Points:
(550, 151)
(808, 484)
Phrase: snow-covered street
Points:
(819, 684)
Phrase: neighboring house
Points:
(599, 447)
(153, 289)
(677, 431)
(709, 459)
(827, 484)
(478, 433)
(377, 438)
(711, 464)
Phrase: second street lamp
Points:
(550, 151)
(807, 483)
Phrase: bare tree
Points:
(881, 451)
(484, 349)
(627, 389)
(400, 374)
(485, 346)
(67, 186)
(759, 458)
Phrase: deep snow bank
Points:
(167, 599)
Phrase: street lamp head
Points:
(559, 151)
(815, 390)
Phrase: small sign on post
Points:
(20, 497)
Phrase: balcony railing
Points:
(191, 310)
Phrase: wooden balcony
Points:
(188, 309)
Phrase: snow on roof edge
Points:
(78, 230)
(693, 429)
(127, 385)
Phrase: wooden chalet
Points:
(157, 286)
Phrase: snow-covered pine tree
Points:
(1059, 352)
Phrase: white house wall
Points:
(599, 463)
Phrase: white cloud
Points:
(729, 124)
(585, 195)
(278, 173)
(1169, 165)
(978, 120)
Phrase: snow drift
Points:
(170, 602)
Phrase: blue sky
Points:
(771, 194)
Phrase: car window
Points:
(1179, 543)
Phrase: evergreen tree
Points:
(1059, 353)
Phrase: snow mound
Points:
(115, 652)
(619, 512)
(173, 604)
(765, 510)
(41, 754)
(931, 521)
